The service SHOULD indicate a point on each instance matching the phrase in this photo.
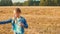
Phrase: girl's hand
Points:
(21, 24)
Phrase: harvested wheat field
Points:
(41, 20)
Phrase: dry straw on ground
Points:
(41, 20)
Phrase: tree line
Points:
(31, 3)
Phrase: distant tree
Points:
(34, 2)
(0, 2)
(26, 3)
(58, 1)
(6, 3)
(17, 4)
(48, 2)
(43, 2)
(51, 3)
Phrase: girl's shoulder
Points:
(22, 18)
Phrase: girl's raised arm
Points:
(6, 21)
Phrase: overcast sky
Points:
(18, 0)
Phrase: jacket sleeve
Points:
(5, 22)
(25, 23)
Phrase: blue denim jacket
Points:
(14, 25)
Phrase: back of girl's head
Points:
(18, 10)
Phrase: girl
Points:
(18, 22)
